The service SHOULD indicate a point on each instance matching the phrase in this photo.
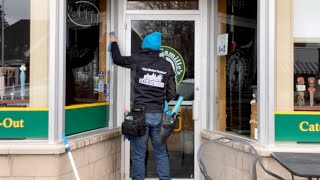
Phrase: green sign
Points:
(176, 60)
(297, 127)
(24, 123)
(18, 123)
(80, 119)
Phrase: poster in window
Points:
(222, 44)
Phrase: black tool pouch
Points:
(168, 124)
(137, 126)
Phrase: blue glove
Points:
(109, 46)
(165, 106)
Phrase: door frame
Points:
(199, 93)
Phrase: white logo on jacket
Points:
(152, 80)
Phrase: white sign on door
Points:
(222, 44)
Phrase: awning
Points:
(306, 68)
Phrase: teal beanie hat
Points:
(152, 41)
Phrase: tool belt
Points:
(168, 124)
(137, 125)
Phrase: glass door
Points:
(178, 47)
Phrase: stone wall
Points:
(97, 158)
(236, 163)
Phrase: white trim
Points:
(127, 93)
(271, 59)
(213, 93)
(56, 64)
(53, 77)
(266, 69)
(261, 79)
(61, 68)
(200, 89)
(118, 26)
(109, 68)
(202, 77)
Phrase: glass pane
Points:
(87, 73)
(24, 53)
(307, 76)
(86, 60)
(163, 4)
(24, 34)
(238, 69)
(177, 35)
(177, 48)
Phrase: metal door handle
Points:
(180, 125)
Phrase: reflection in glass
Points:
(24, 47)
(84, 58)
(163, 4)
(239, 20)
(177, 36)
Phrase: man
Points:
(154, 83)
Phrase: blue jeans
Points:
(139, 147)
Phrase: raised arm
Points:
(118, 59)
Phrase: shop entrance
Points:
(178, 47)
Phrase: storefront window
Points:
(24, 54)
(86, 52)
(163, 4)
(307, 76)
(306, 56)
(237, 68)
(87, 68)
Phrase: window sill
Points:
(74, 143)
(265, 151)
(307, 108)
(14, 103)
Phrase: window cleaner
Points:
(66, 144)
(107, 89)
(169, 120)
(109, 46)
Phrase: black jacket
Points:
(153, 77)
(72, 62)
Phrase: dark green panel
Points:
(86, 118)
(23, 124)
(297, 127)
